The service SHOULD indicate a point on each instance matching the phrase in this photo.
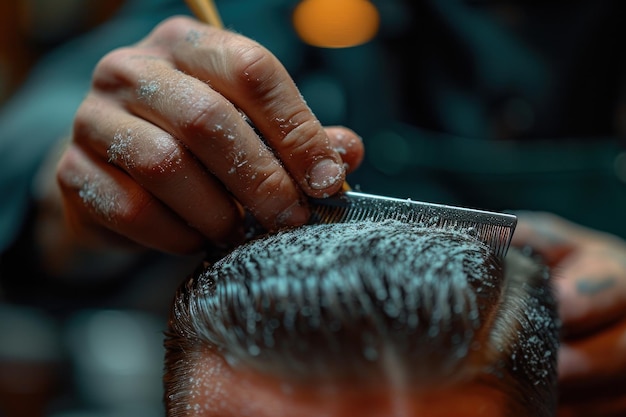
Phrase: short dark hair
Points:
(329, 301)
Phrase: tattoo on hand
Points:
(593, 287)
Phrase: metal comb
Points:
(494, 229)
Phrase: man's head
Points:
(368, 319)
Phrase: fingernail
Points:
(325, 174)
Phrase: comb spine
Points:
(494, 229)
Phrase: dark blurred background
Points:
(94, 358)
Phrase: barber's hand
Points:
(162, 156)
(590, 282)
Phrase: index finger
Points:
(253, 79)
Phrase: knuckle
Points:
(148, 167)
(254, 68)
(84, 125)
(303, 136)
(107, 204)
(114, 70)
(97, 194)
(115, 59)
(161, 165)
(270, 186)
(66, 169)
(200, 120)
(173, 27)
(134, 206)
(170, 31)
(81, 123)
(95, 198)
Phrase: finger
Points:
(545, 233)
(162, 166)
(599, 359)
(100, 197)
(214, 132)
(592, 374)
(248, 75)
(591, 291)
(347, 144)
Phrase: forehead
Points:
(220, 390)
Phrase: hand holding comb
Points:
(494, 229)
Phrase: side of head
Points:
(363, 319)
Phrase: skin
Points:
(224, 391)
(590, 271)
(160, 139)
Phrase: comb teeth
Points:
(494, 229)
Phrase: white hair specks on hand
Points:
(193, 37)
(147, 89)
(93, 192)
(120, 150)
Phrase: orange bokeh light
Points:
(336, 23)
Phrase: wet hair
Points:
(386, 301)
